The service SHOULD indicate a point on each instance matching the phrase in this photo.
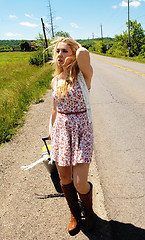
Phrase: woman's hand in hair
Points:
(69, 60)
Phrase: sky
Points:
(82, 19)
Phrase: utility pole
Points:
(51, 20)
(43, 27)
(129, 44)
(101, 32)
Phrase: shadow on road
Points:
(113, 230)
(126, 231)
(107, 230)
(55, 195)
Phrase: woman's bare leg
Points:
(80, 178)
(65, 174)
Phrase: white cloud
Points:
(74, 25)
(123, 4)
(58, 18)
(27, 15)
(27, 24)
(9, 34)
(114, 6)
(133, 4)
(12, 16)
(31, 16)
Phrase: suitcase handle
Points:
(44, 139)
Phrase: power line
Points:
(118, 28)
(140, 17)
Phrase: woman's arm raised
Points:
(83, 60)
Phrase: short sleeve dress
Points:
(72, 132)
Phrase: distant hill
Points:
(16, 43)
(106, 39)
(10, 43)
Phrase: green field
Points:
(20, 84)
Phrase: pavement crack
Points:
(131, 197)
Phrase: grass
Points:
(20, 84)
(134, 59)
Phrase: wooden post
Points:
(43, 27)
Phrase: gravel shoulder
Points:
(30, 206)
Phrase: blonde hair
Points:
(71, 70)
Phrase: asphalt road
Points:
(118, 109)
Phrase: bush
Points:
(142, 52)
(99, 47)
(38, 58)
(6, 49)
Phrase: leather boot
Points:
(87, 203)
(72, 200)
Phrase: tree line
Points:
(118, 46)
(10, 43)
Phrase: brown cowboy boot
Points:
(87, 203)
(72, 200)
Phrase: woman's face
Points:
(63, 52)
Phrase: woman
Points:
(72, 133)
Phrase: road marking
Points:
(118, 66)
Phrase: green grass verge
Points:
(134, 59)
(20, 84)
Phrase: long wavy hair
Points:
(71, 70)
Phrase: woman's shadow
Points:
(106, 230)
(103, 230)
(113, 230)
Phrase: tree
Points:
(62, 34)
(98, 47)
(24, 45)
(40, 42)
(119, 46)
(137, 37)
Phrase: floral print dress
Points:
(72, 134)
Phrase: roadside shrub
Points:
(142, 52)
(99, 47)
(6, 49)
(38, 58)
(118, 50)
